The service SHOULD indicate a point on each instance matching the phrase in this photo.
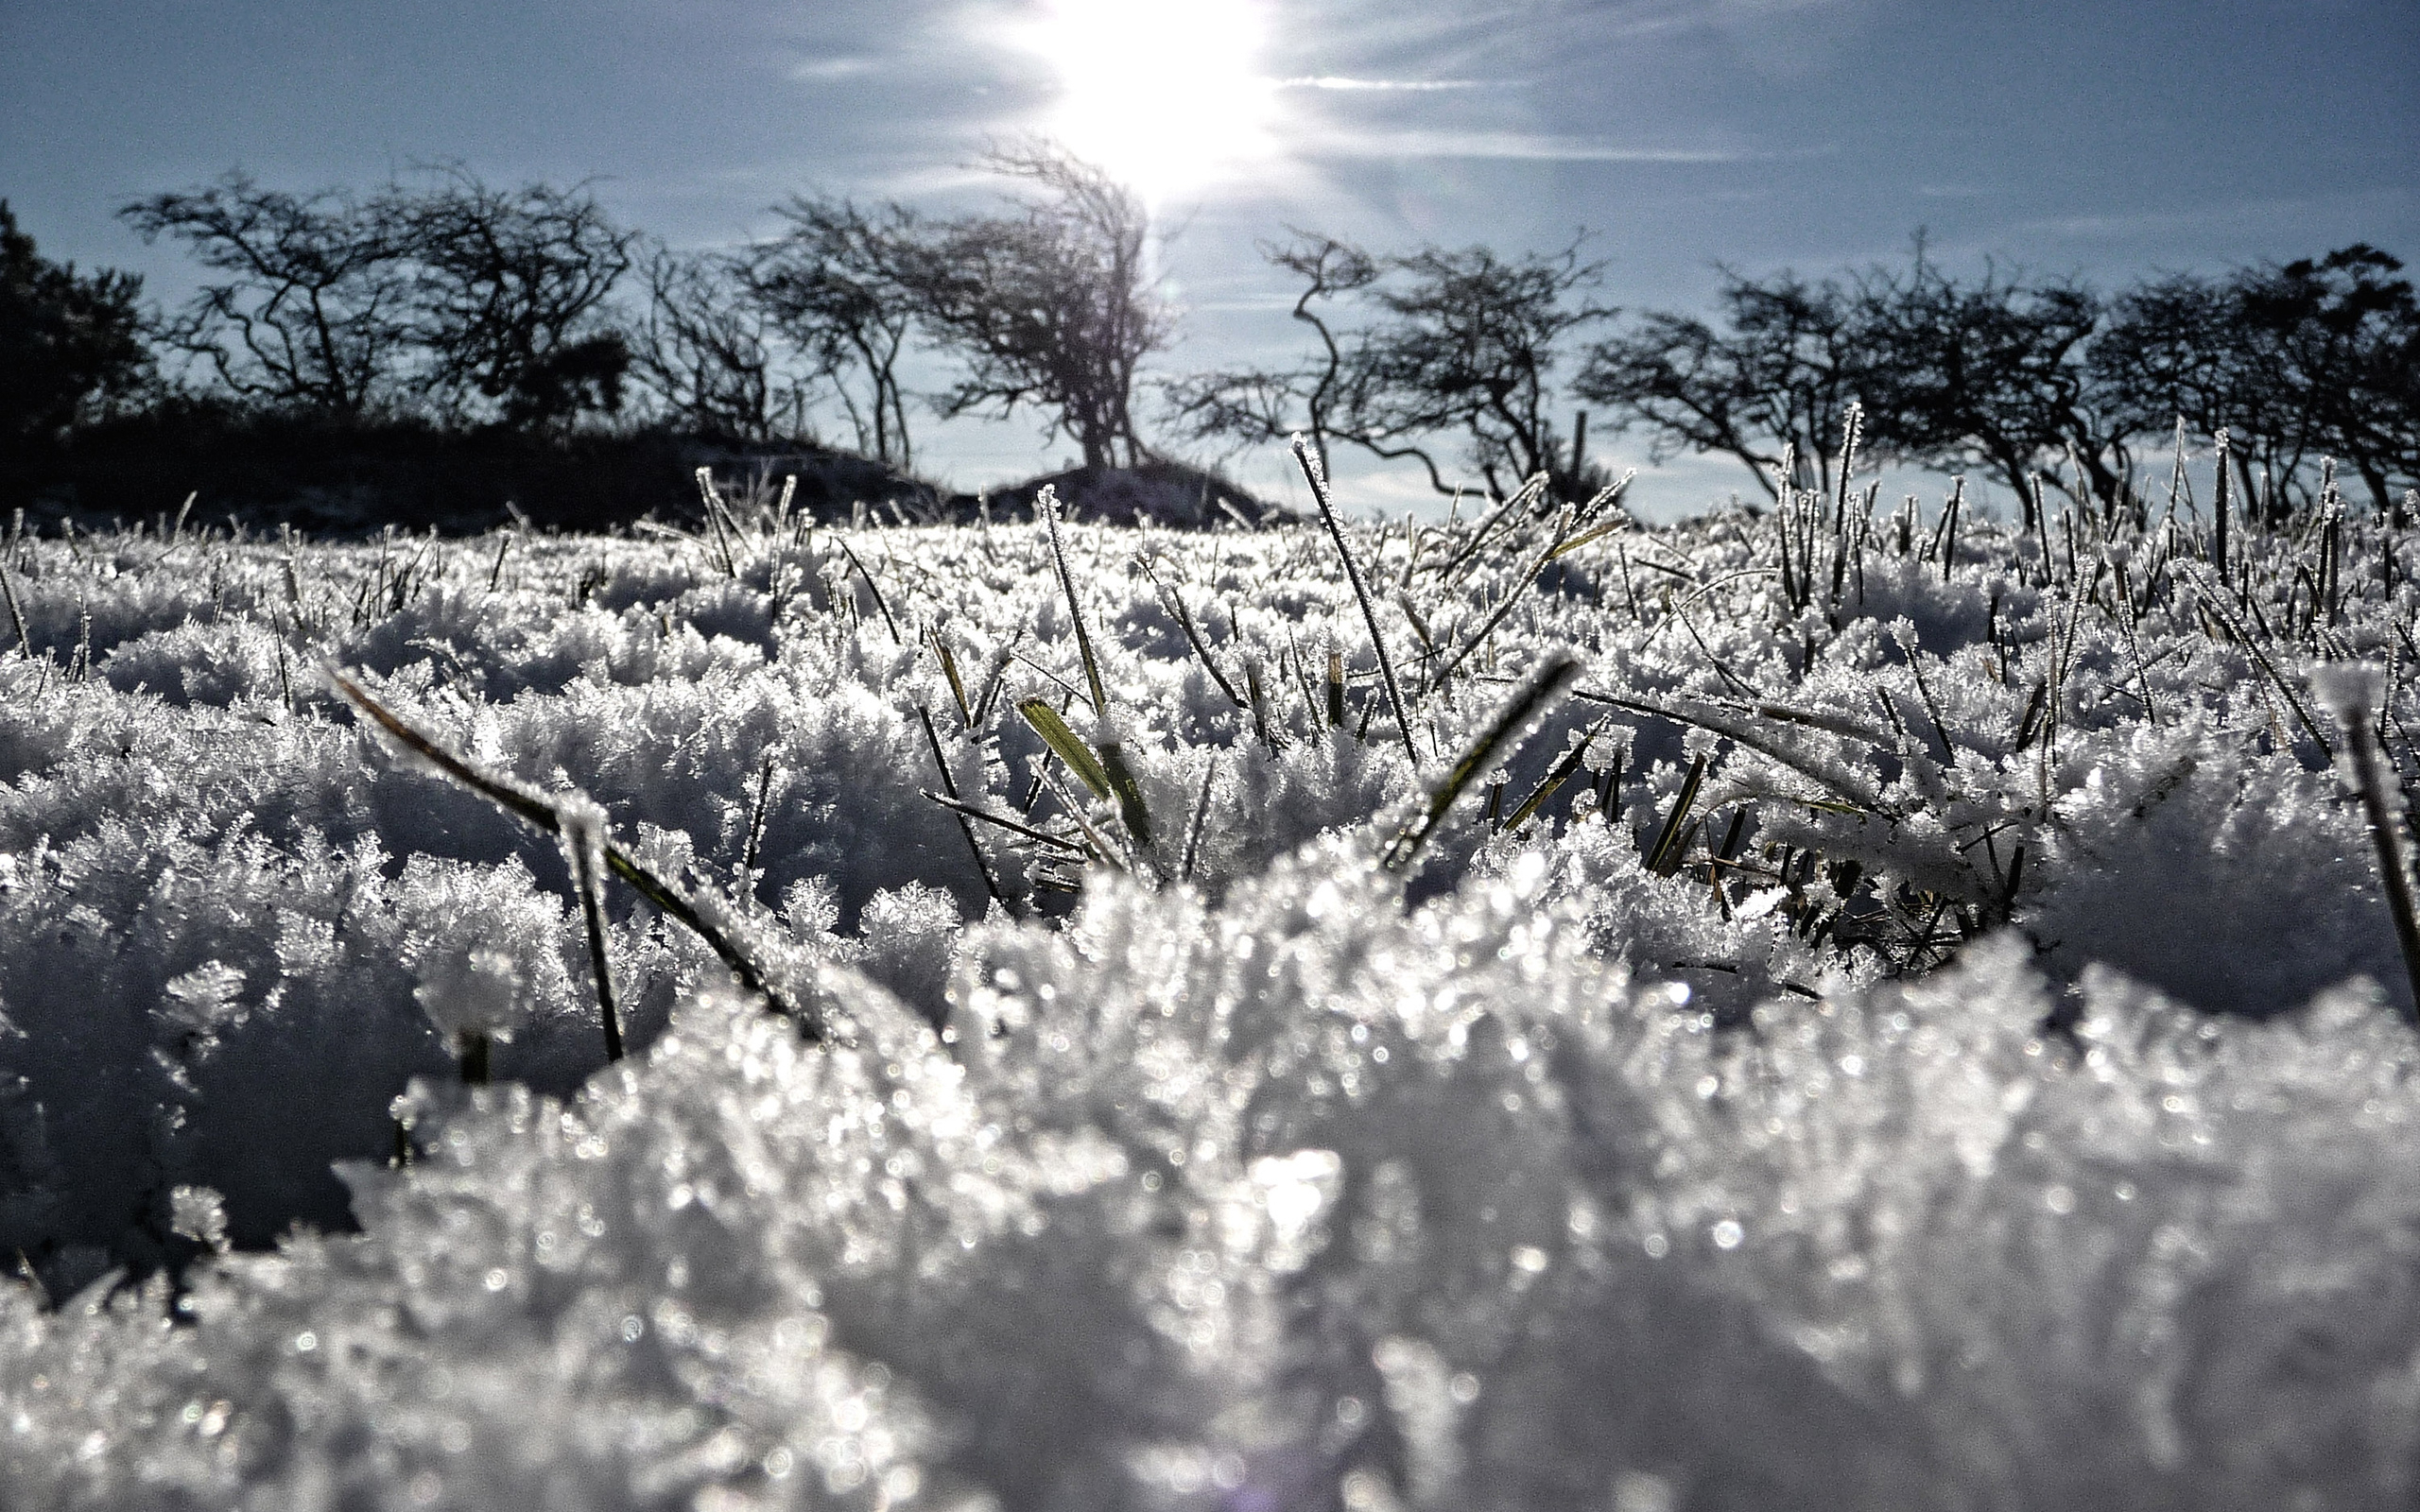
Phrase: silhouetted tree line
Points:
(2038, 384)
(449, 304)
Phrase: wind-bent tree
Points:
(1254, 406)
(1460, 344)
(508, 291)
(1469, 346)
(836, 284)
(1051, 306)
(1989, 376)
(2343, 336)
(709, 352)
(71, 345)
(2174, 349)
(314, 313)
(1774, 379)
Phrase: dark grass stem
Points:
(583, 833)
(949, 787)
(875, 589)
(1317, 477)
(1192, 636)
(1193, 831)
(1664, 858)
(970, 811)
(472, 1049)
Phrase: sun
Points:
(1166, 95)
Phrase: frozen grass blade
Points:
(1544, 685)
(1317, 480)
(875, 589)
(1495, 617)
(503, 547)
(1193, 832)
(1047, 502)
(1110, 855)
(541, 814)
(966, 810)
(1555, 779)
(1664, 857)
(1129, 793)
(1117, 778)
(16, 615)
(949, 670)
(1067, 746)
(2349, 690)
(583, 833)
(1192, 636)
(949, 786)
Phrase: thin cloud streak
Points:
(1406, 86)
(825, 70)
(1526, 146)
(1700, 14)
(2280, 210)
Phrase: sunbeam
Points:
(1165, 96)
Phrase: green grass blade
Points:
(1552, 677)
(1664, 857)
(1555, 779)
(1129, 793)
(1067, 746)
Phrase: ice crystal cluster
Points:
(1915, 1023)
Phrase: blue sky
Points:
(2104, 140)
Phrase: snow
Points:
(1850, 1164)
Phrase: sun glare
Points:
(1165, 94)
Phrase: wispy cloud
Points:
(1509, 145)
(1406, 86)
(2151, 222)
(828, 70)
(1647, 20)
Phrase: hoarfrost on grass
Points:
(1972, 1085)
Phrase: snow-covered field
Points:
(1985, 1084)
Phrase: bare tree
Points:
(315, 312)
(1777, 377)
(710, 352)
(1052, 306)
(1252, 406)
(2340, 339)
(1461, 343)
(508, 292)
(836, 284)
(1989, 375)
(1471, 347)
